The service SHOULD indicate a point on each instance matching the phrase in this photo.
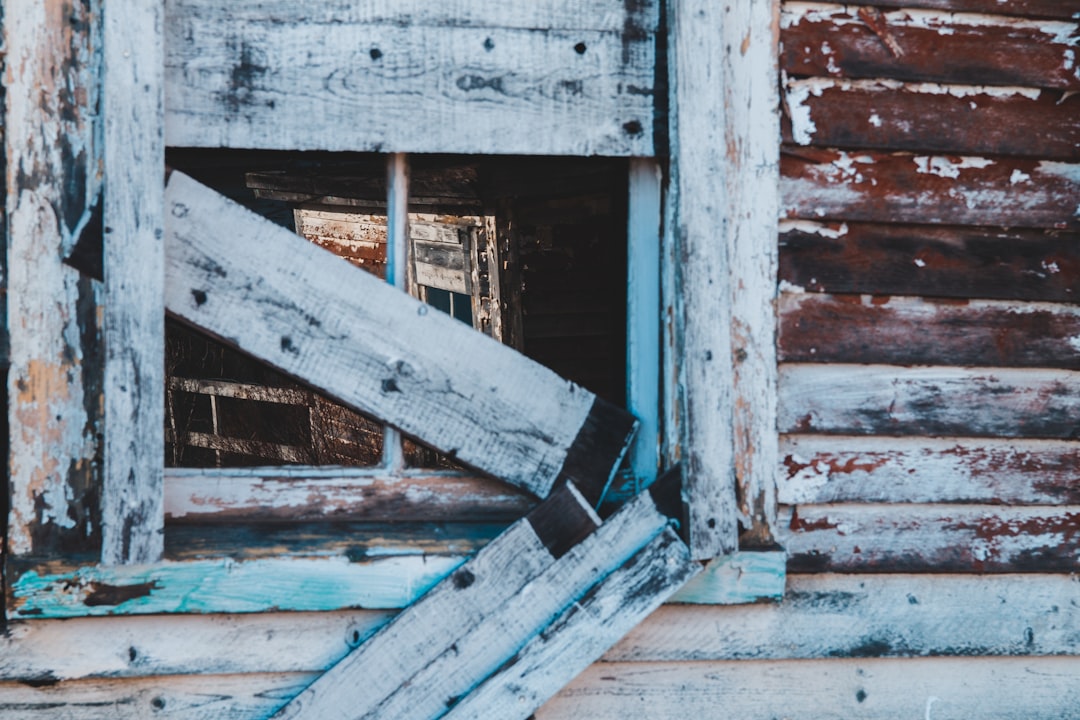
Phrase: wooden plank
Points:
(242, 391)
(272, 452)
(928, 117)
(918, 331)
(870, 616)
(243, 494)
(891, 400)
(741, 577)
(323, 321)
(722, 208)
(582, 633)
(52, 151)
(931, 538)
(875, 689)
(828, 469)
(950, 47)
(965, 262)
(473, 622)
(132, 520)
(1024, 8)
(406, 85)
(948, 189)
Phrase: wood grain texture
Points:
(347, 333)
(723, 146)
(963, 262)
(860, 616)
(949, 189)
(830, 469)
(588, 627)
(892, 400)
(742, 577)
(821, 39)
(917, 331)
(52, 149)
(931, 538)
(876, 689)
(1060, 9)
(409, 83)
(132, 515)
(891, 115)
(242, 494)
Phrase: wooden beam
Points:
(376, 349)
(724, 204)
(52, 151)
(582, 633)
(132, 518)
(390, 79)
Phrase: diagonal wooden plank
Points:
(477, 618)
(264, 290)
(588, 628)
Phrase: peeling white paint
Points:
(809, 226)
(875, 120)
(787, 287)
(948, 167)
(919, 262)
(1019, 176)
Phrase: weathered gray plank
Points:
(892, 400)
(724, 196)
(371, 346)
(52, 150)
(949, 189)
(132, 520)
(315, 76)
(931, 538)
(935, 45)
(474, 621)
(875, 689)
(829, 469)
(927, 331)
(582, 633)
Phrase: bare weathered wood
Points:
(242, 494)
(892, 400)
(876, 689)
(587, 628)
(931, 538)
(1061, 9)
(917, 331)
(828, 469)
(949, 189)
(824, 39)
(347, 333)
(927, 117)
(52, 150)
(722, 207)
(964, 262)
(410, 83)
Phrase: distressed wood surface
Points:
(1061, 9)
(891, 115)
(409, 83)
(723, 200)
(892, 400)
(132, 519)
(918, 331)
(582, 633)
(736, 578)
(242, 494)
(949, 189)
(931, 538)
(876, 689)
(950, 47)
(52, 149)
(964, 262)
(374, 348)
(830, 469)
(478, 618)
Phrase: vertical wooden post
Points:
(133, 105)
(53, 183)
(721, 237)
(397, 268)
(643, 316)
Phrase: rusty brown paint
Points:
(830, 328)
(1060, 9)
(884, 116)
(964, 262)
(965, 54)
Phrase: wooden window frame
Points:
(719, 206)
